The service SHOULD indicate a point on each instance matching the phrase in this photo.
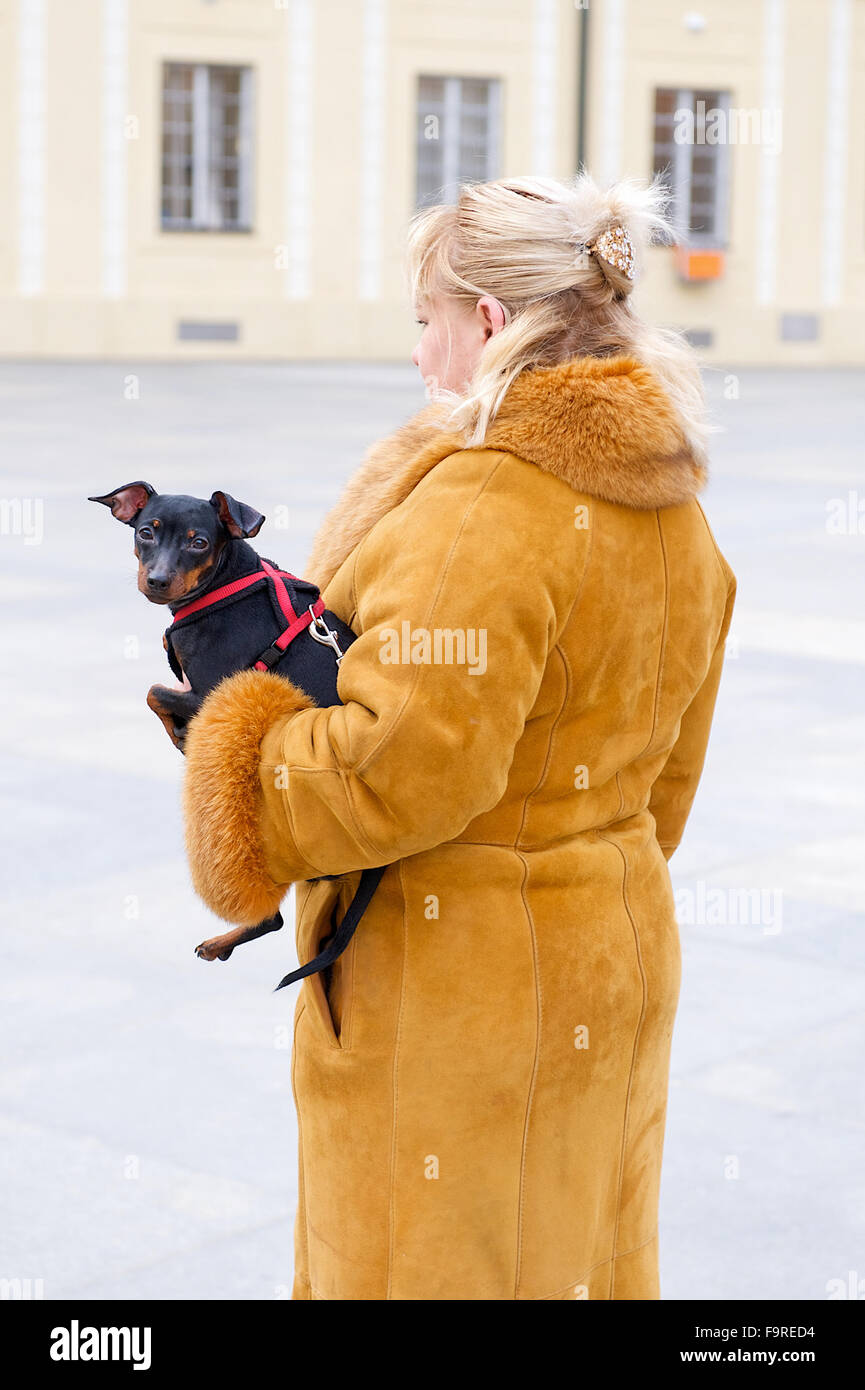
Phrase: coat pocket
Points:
(328, 991)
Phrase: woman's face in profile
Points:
(453, 336)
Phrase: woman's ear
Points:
(492, 314)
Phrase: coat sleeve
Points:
(486, 561)
(673, 791)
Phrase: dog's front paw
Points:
(175, 708)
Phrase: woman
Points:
(541, 611)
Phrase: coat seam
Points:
(301, 1183)
(637, 1033)
(284, 803)
(344, 776)
(346, 780)
(541, 845)
(395, 1075)
(392, 504)
(715, 547)
(348, 968)
(619, 1255)
(554, 726)
(530, 920)
(353, 585)
(530, 1097)
(662, 661)
(572, 1283)
(542, 778)
(388, 733)
(334, 1038)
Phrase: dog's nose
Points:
(157, 584)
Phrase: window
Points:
(206, 148)
(458, 122)
(695, 165)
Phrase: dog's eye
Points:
(145, 534)
(200, 543)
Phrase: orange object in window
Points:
(700, 264)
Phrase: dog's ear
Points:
(238, 519)
(126, 502)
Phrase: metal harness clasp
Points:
(319, 629)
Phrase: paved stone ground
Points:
(148, 1134)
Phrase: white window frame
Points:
(206, 213)
(681, 176)
(451, 134)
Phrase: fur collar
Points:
(604, 425)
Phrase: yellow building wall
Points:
(732, 53)
(334, 147)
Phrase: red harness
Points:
(295, 624)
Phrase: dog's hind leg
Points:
(221, 947)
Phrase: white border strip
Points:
(544, 87)
(372, 149)
(612, 90)
(31, 153)
(114, 111)
(835, 166)
(299, 58)
(774, 24)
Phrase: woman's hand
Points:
(175, 706)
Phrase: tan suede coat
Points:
(481, 1083)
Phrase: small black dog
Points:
(232, 609)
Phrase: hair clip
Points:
(613, 246)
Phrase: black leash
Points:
(369, 881)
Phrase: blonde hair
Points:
(519, 241)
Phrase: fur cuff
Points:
(222, 796)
